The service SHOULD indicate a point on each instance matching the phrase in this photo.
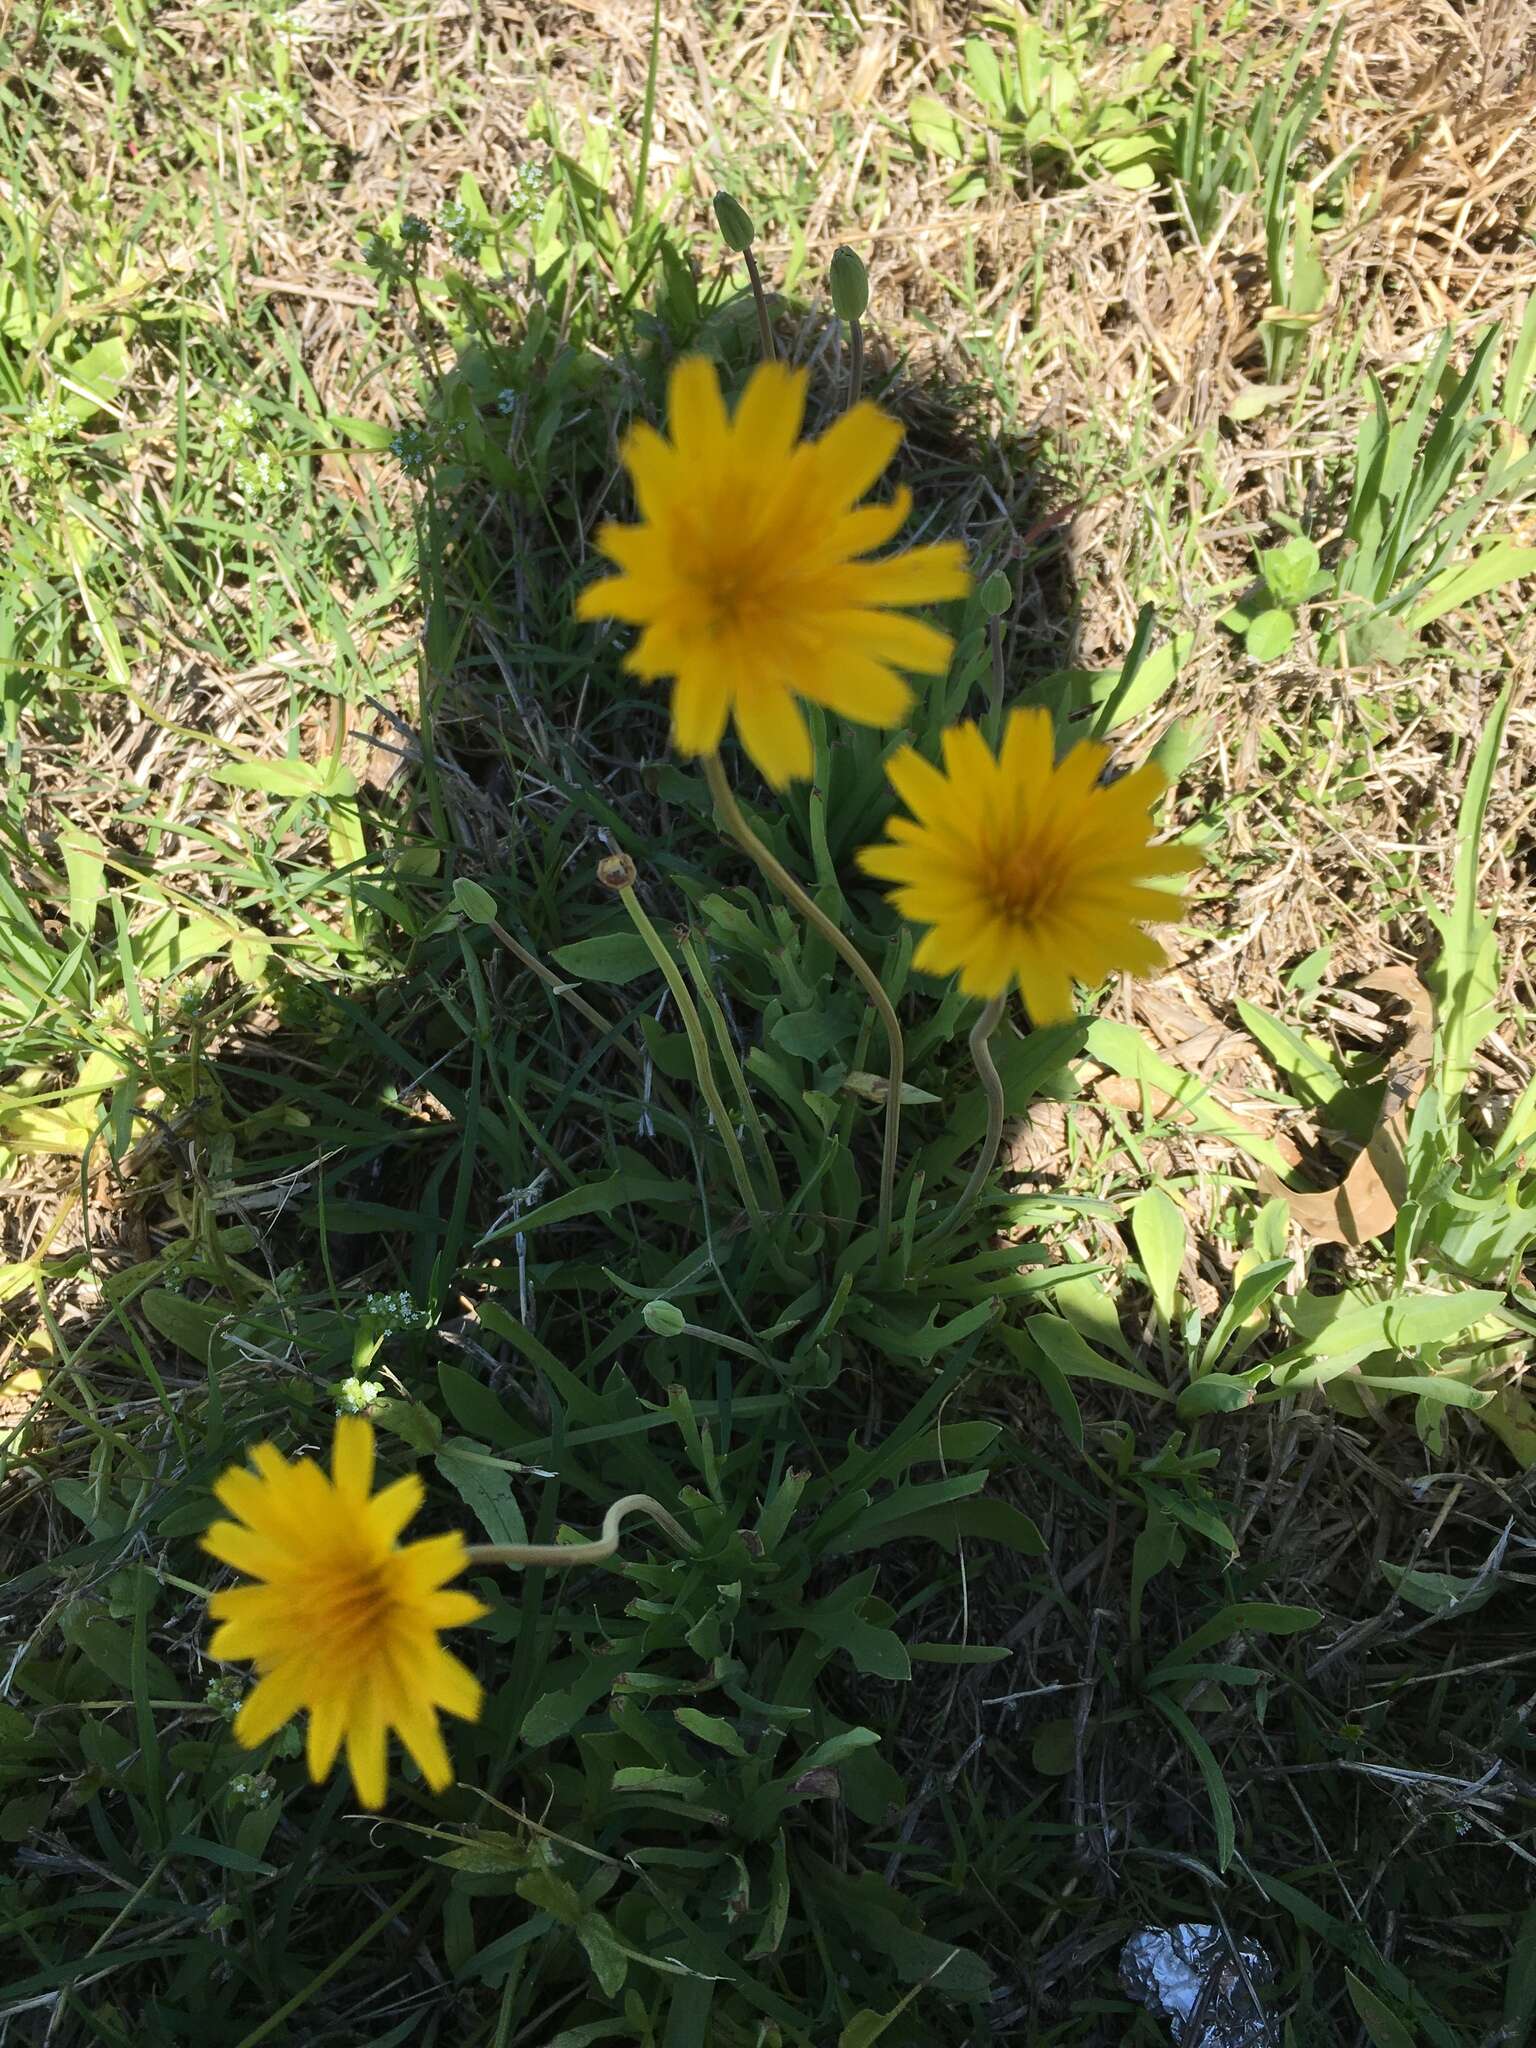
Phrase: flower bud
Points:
(618, 872)
(850, 285)
(735, 224)
(664, 1319)
(473, 902)
(996, 594)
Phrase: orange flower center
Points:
(1022, 889)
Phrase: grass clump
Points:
(1089, 1478)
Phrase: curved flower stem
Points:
(698, 1045)
(722, 1031)
(598, 1551)
(764, 324)
(730, 811)
(992, 1087)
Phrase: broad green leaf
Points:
(1216, 1393)
(1124, 1051)
(1078, 1360)
(1249, 1617)
(1438, 1592)
(1345, 1328)
(1270, 635)
(1303, 1061)
(371, 434)
(1379, 2021)
(1288, 570)
(289, 778)
(614, 957)
(94, 379)
(484, 1485)
(1161, 1234)
(1499, 561)
(935, 128)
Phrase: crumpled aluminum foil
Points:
(1189, 1976)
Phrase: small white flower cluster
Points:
(223, 1695)
(260, 474)
(463, 235)
(396, 1311)
(506, 401)
(234, 424)
(357, 1397)
(529, 185)
(251, 1788)
(264, 104)
(412, 449)
(30, 450)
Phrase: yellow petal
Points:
(774, 734)
(272, 1701)
(700, 708)
(922, 575)
(366, 1748)
(255, 1555)
(327, 1725)
(852, 453)
(352, 1456)
(855, 687)
(767, 422)
(390, 1510)
(696, 412)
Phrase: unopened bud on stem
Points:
(850, 285)
(735, 223)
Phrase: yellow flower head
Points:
(344, 1620)
(743, 570)
(1023, 870)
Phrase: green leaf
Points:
(1467, 970)
(189, 1325)
(1161, 1234)
(485, 1486)
(1217, 1393)
(637, 1184)
(1499, 561)
(1054, 1749)
(330, 777)
(1248, 1617)
(1379, 2021)
(1344, 1328)
(959, 1653)
(1210, 1771)
(614, 957)
(489, 1852)
(1302, 1061)
(95, 378)
(372, 434)
(1078, 1359)
(1439, 1592)
(934, 128)
(1124, 1050)
(711, 1728)
(1289, 571)
(1270, 635)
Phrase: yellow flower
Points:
(743, 574)
(345, 1620)
(1026, 871)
